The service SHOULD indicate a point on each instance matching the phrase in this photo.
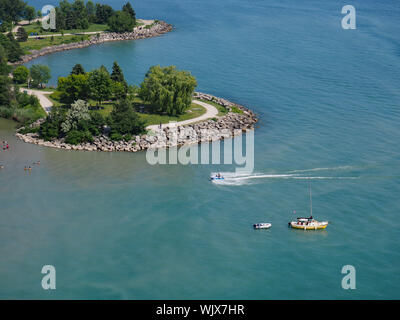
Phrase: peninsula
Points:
(98, 110)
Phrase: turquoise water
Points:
(116, 227)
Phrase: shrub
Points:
(21, 74)
(76, 137)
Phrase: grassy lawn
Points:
(194, 111)
(36, 44)
(221, 109)
(94, 27)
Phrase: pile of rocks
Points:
(225, 127)
(158, 28)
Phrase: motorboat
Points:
(262, 225)
(217, 177)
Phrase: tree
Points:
(11, 46)
(79, 15)
(100, 85)
(4, 67)
(168, 89)
(103, 13)
(40, 75)
(91, 11)
(120, 22)
(12, 10)
(5, 91)
(117, 74)
(124, 119)
(22, 35)
(30, 13)
(74, 87)
(78, 69)
(119, 90)
(21, 74)
(128, 9)
(79, 111)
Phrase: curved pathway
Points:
(41, 95)
(211, 112)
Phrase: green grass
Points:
(37, 44)
(194, 111)
(94, 27)
(221, 109)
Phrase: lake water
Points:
(329, 105)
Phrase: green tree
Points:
(124, 119)
(120, 22)
(103, 13)
(11, 46)
(117, 74)
(21, 74)
(5, 91)
(30, 13)
(4, 67)
(12, 10)
(79, 111)
(119, 90)
(78, 69)
(40, 75)
(79, 15)
(91, 11)
(100, 85)
(74, 87)
(128, 9)
(168, 89)
(22, 35)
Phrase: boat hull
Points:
(321, 226)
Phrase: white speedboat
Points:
(217, 177)
(262, 225)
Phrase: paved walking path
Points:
(41, 95)
(211, 112)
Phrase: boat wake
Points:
(233, 179)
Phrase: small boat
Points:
(262, 225)
(308, 223)
(217, 177)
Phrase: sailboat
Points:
(308, 223)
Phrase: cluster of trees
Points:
(78, 124)
(165, 89)
(98, 85)
(78, 15)
(13, 51)
(168, 89)
(11, 11)
(14, 104)
(36, 76)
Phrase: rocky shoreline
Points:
(157, 29)
(224, 127)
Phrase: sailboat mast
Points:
(310, 199)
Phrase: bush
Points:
(120, 22)
(116, 136)
(76, 137)
(21, 74)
